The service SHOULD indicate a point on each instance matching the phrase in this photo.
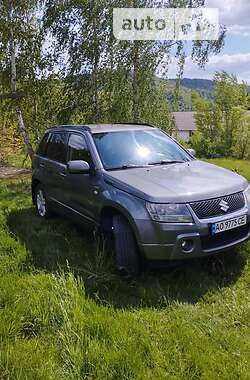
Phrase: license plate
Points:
(229, 224)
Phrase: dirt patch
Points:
(11, 172)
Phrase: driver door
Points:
(81, 195)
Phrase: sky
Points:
(235, 55)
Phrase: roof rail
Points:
(87, 127)
(133, 123)
(70, 126)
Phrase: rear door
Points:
(39, 161)
(55, 165)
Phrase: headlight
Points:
(169, 213)
(247, 194)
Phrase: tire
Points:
(126, 252)
(41, 204)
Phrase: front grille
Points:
(224, 238)
(211, 207)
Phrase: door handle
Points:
(96, 190)
(42, 165)
(62, 174)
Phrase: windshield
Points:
(124, 149)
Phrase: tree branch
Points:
(13, 95)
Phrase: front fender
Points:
(132, 207)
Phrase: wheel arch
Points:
(106, 218)
(35, 182)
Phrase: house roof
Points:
(184, 121)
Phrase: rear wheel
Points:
(126, 252)
(41, 204)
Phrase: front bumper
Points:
(163, 241)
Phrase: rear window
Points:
(41, 151)
(56, 147)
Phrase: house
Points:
(185, 125)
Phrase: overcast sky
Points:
(235, 56)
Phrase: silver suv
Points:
(145, 192)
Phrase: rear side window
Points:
(78, 149)
(56, 149)
(41, 151)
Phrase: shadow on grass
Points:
(57, 244)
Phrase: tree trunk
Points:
(22, 128)
(95, 81)
(96, 115)
(136, 84)
(24, 133)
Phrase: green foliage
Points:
(229, 95)
(241, 135)
(208, 137)
(43, 105)
(21, 19)
(71, 68)
(221, 122)
(112, 80)
(21, 41)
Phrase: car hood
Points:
(181, 182)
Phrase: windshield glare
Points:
(137, 148)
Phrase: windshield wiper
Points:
(128, 166)
(166, 162)
(133, 166)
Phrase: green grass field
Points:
(239, 166)
(66, 314)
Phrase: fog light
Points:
(187, 246)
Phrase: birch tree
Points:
(20, 41)
(110, 78)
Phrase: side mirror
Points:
(192, 152)
(78, 167)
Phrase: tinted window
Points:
(41, 151)
(78, 149)
(56, 149)
(137, 148)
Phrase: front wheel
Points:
(126, 252)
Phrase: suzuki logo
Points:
(224, 206)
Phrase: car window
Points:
(42, 148)
(56, 149)
(78, 149)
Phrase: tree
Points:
(218, 120)
(88, 75)
(99, 67)
(228, 95)
(208, 137)
(21, 41)
(241, 134)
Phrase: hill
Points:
(197, 84)
(204, 87)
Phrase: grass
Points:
(18, 159)
(66, 314)
(239, 166)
